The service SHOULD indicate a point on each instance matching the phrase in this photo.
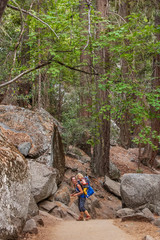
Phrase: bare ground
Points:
(56, 229)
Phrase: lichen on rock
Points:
(15, 190)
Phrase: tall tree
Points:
(150, 150)
(85, 59)
(125, 121)
(100, 161)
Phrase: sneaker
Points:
(88, 218)
(80, 219)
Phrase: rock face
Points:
(30, 227)
(140, 189)
(33, 208)
(112, 186)
(15, 190)
(43, 181)
(63, 194)
(124, 212)
(35, 133)
(114, 172)
(58, 209)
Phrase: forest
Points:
(88, 63)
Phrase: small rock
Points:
(155, 209)
(148, 213)
(24, 148)
(109, 198)
(147, 237)
(124, 212)
(132, 160)
(157, 222)
(30, 227)
(39, 220)
(136, 217)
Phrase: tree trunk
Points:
(39, 60)
(3, 4)
(85, 79)
(155, 121)
(125, 135)
(100, 161)
(149, 154)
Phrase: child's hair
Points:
(79, 175)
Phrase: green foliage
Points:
(131, 41)
(74, 127)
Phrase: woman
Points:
(81, 199)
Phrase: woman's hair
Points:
(72, 177)
(79, 175)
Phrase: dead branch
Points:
(89, 22)
(29, 13)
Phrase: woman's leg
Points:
(87, 213)
(80, 206)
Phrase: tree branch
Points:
(26, 12)
(89, 22)
(118, 16)
(25, 72)
(73, 68)
(40, 66)
(20, 35)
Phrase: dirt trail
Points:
(55, 229)
(90, 230)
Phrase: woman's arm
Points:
(80, 190)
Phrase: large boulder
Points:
(112, 186)
(15, 190)
(140, 189)
(43, 181)
(35, 134)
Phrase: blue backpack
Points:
(90, 190)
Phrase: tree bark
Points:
(125, 135)
(39, 59)
(149, 154)
(3, 4)
(100, 161)
(85, 80)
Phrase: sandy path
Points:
(88, 230)
(57, 229)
